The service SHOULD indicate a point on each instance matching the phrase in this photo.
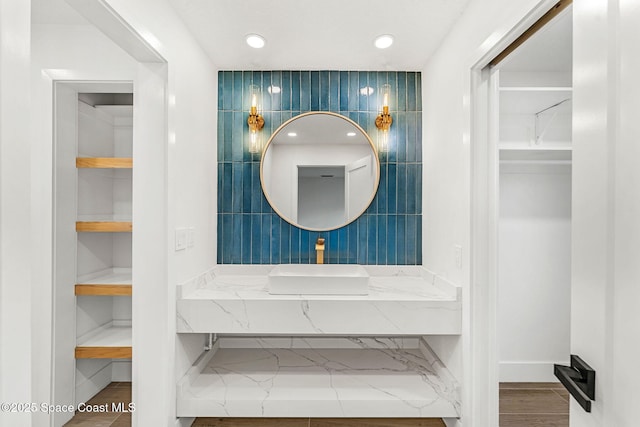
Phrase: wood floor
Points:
(521, 405)
(317, 422)
(114, 393)
(534, 405)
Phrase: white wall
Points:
(192, 133)
(16, 380)
(191, 173)
(446, 82)
(534, 275)
(446, 130)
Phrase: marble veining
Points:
(366, 377)
(401, 301)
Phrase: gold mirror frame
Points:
(348, 120)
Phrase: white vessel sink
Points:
(318, 279)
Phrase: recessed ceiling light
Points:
(351, 134)
(367, 90)
(292, 134)
(383, 41)
(255, 41)
(273, 89)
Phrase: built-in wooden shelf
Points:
(104, 226)
(103, 352)
(104, 162)
(109, 343)
(109, 282)
(103, 290)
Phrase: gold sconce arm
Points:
(255, 120)
(384, 119)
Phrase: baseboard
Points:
(452, 422)
(527, 372)
(121, 371)
(96, 379)
(184, 422)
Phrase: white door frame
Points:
(154, 358)
(481, 360)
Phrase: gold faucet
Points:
(320, 250)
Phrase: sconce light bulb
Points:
(383, 142)
(254, 143)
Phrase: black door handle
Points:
(579, 379)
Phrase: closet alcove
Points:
(92, 239)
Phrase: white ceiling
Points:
(326, 34)
(334, 34)
(550, 49)
(303, 34)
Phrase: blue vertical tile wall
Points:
(249, 231)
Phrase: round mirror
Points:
(319, 171)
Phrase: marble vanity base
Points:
(316, 377)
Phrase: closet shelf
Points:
(103, 217)
(110, 276)
(103, 290)
(536, 154)
(116, 110)
(104, 226)
(113, 342)
(110, 282)
(535, 89)
(104, 162)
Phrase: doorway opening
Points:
(483, 360)
(93, 160)
(532, 127)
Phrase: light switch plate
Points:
(181, 239)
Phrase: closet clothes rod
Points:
(104, 105)
(541, 134)
(553, 106)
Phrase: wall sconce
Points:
(255, 120)
(384, 119)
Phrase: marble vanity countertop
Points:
(401, 300)
(386, 283)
